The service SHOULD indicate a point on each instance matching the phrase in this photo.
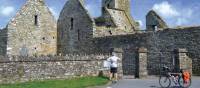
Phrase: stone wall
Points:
(22, 69)
(160, 46)
(101, 31)
(32, 31)
(115, 19)
(129, 45)
(117, 4)
(75, 29)
(170, 39)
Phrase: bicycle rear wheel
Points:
(184, 84)
(164, 81)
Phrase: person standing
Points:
(113, 60)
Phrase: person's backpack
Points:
(186, 76)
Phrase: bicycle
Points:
(177, 78)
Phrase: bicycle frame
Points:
(174, 77)
(165, 80)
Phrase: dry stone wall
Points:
(22, 69)
(160, 45)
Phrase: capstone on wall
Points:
(32, 31)
(75, 29)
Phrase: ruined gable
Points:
(154, 20)
(32, 31)
(116, 19)
(117, 4)
(75, 28)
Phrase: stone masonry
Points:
(22, 69)
(160, 46)
(185, 62)
(154, 22)
(115, 20)
(142, 63)
(32, 31)
(75, 27)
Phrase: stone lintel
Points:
(118, 50)
(182, 50)
(142, 50)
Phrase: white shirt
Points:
(113, 61)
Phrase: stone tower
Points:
(116, 19)
(33, 31)
(117, 4)
(75, 29)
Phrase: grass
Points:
(73, 83)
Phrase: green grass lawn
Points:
(73, 83)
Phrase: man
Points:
(113, 66)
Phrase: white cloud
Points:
(140, 22)
(185, 17)
(7, 11)
(181, 21)
(174, 14)
(93, 9)
(166, 10)
(53, 11)
(187, 13)
(1, 27)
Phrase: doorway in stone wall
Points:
(128, 63)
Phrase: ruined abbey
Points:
(34, 32)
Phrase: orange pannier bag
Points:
(186, 76)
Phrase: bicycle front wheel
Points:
(184, 83)
(164, 81)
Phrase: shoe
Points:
(114, 82)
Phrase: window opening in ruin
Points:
(111, 50)
(110, 32)
(173, 61)
(53, 37)
(108, 26)
(72, 23)
(36, 20)
(62, 34)
(108, 6)
(43, 38)
(78, 35)
(155, 28)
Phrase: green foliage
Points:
(73, 83)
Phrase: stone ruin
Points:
(34, 32)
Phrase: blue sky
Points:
(174, 12)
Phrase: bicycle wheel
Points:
(184, 84)
(164, 81)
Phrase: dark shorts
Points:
(113, 70)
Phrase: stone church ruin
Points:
(35, 46)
